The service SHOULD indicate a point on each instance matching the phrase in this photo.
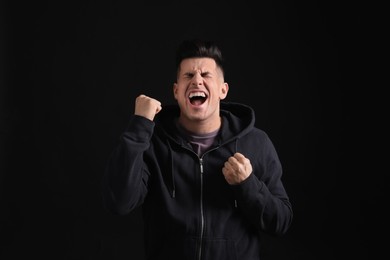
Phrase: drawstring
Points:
(172, 170)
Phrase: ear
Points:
(224, 90)
(175, 90)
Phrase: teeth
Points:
(197, 94)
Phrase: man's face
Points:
(199, 88)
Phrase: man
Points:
(208, 180)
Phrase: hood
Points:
(237, 120)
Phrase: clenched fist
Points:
(147, 107)
(237, 168)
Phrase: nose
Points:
(197, 80)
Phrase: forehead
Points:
(202, 64)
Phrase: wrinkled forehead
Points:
(198, 64)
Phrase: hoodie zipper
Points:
(202, 220)
(201, 209)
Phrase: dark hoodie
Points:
(189, 210)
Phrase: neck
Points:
(200, 127)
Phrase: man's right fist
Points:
(147, 107)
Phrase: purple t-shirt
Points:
(200, 142)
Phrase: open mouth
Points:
(197, 98)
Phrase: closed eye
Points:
(188, 75)
(205, 74)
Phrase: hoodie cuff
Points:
(140, 128)
(249, 189)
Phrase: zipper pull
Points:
(201, 165)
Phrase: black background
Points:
(70, 74)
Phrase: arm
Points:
(126, 175)
(259, 190)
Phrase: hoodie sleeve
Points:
(125, 178)
(262, 196)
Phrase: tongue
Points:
(197, 102)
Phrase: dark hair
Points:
(197, 48)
